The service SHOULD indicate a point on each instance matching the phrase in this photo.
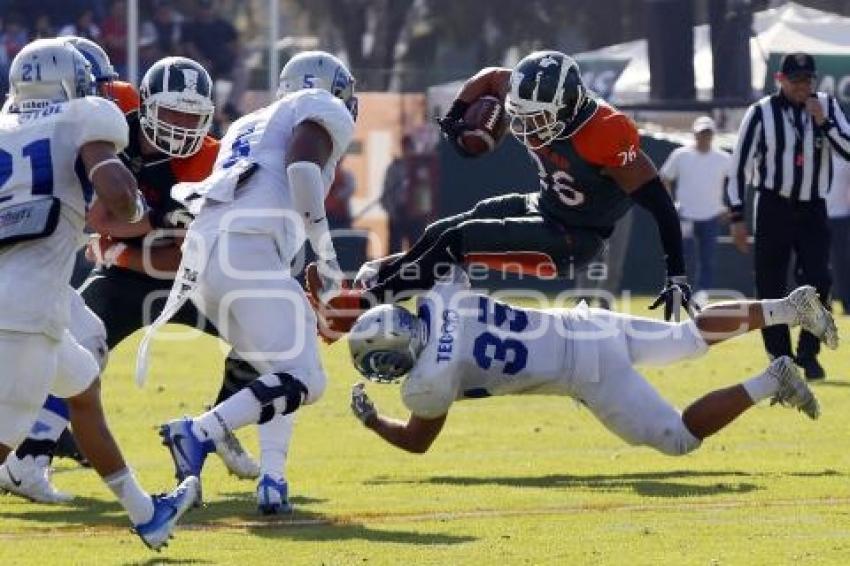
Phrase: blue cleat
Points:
(167, 510)
(273, 496)
(187, 451)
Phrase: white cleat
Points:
(813, 316)
(30, 478)
(793, 390)
(235, 458)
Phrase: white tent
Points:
(790, 27)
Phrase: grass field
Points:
(531, 480)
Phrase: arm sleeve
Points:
(837, 129)
(328, 112)
(741, 166)
(654, 197)
(100, 120)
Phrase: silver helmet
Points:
(47, 71)
(317, 69)
(385, 342)
(176, 85)
(546, 94)
(101, 66)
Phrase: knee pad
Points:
(676, 440)
(99, 349)
(280, 391)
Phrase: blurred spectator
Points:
(15, 35)
(838, 211)
(149, 52)
(43, 27)
(214, 42)
(395, 195)
(699, 172)
(169, 27)
(338, 201)
(83, 25)
(114, 34)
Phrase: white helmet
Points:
(317, 69)
(180, 85)
(101, 66)
(546, 95)
(47, 71)
(385, 342)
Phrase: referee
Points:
(785, 148)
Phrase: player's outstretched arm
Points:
(114, 184)
(416, 435)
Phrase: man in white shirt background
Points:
(699, 172)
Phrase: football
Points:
(487, 126)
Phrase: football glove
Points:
(675, 295)
(362, 407)
(452, 128)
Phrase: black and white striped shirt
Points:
(780, 149)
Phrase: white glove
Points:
(332, 278)
(362, 407)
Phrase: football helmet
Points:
(385, 342)
(101, 67)
(317, 69)
(47, 71)
(546, 94)
(176, 85)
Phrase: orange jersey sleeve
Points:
(610, 138)
(125, 96)
(199, 166)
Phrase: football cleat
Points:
(792, 391)
(30, 478)
(187, 451)
(167, 510)
(813, 316)
(237, 461)
(273, 496)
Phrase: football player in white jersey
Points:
(253, 214)
(57, 145)
(463, 345)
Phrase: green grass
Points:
(522, 480)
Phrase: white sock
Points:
(274, 444)
(761, 387)
(778, 311)
(136, 501)
(240, 410)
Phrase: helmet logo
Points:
(547, 61)
(190, 80)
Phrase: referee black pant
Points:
(781, 227)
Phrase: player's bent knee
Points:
(676, 440)
(280, 391)
(98, 348)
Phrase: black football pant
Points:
(505, 225)
(783, 227)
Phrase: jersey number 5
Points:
(489, 348)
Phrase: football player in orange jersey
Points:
(591, 170)
(126, 290)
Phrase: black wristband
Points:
(653, 196)
(457, 110)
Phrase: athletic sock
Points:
(240, 410)
(761, 387)
(274, 445)
(778, 311)
(136, 501)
